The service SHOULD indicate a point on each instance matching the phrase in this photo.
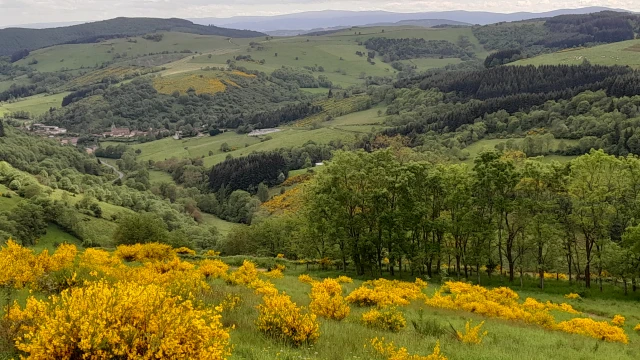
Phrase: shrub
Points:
(145, 252)
(245, 275)
(595, 329)
(471, 335)
(103, 321)
(390, 352)
(385, 319)
(618, 320)
(281, 319)
(327, 300)
(384, 292)
(572, 296)
(213, 268)
(184, 251)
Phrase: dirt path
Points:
(120, 174)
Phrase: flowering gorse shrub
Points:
(184, 251)
(503, 303)
(596, 329)
(213, 269)
(327, 300)
(637, 328)
(384, 292)
(390, 352)
(145, 252)
(572, 296)
(471, 334)
(212, 253)
(282, 319)
(388, 318)
(618, 320)
(21, 266)
(305, 279)
(125, 320)
(274, 274)
(245, 275)
(344, 279)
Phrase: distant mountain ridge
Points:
(333, 18)
(17, 39)
(421, 22)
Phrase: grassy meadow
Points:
(505, 339)
(625, 53)
(36, 105)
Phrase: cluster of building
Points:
(123, 133)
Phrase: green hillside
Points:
(626, 53)
(15, 39)
(336, 52)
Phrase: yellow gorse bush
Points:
(21, 266)
(145, 252)
(125, 320)
(212, 253)
(618, 320)
(274, 274)
(637, 328)
(282, 319)
(503, 303)
(384, 292)
(185, 251)
(596, 329)
(305, 279)
(388, 318)
(572, 296)
(245, 275)
(471, 334)
(390, 352)
(213, 269)
(327, 300)
(344, 279)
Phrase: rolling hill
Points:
(623, 53)
(13, 40)
(332, 18)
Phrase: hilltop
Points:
(13, 40)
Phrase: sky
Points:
(14, 12)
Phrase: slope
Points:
(16, 39)
(622, 53)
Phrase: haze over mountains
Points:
(333, 18)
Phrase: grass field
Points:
(76, 56)
(36, 105)
(620, 53)
(223, 226)
(489, 144)
(336, 52)
(505, 339)
(54, 237)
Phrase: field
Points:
(54, 237)
(489, 144)
(77, 56)
(337, 52)
(423, 323)
(224, 227)
(241, 144)
(35, 105)
(621, 53)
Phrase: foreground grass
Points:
(505, 340)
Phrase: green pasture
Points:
(36, 105)
(625, 53)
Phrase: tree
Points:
(2, 133)
(595, 184)
(263, 192)
(140, 229)
(30, 222)
(225, 147)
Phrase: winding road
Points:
(120, 174)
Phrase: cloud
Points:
(46, 11)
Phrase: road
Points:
(120, 174)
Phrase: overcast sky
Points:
(14, 12)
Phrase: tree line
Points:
(506, 215)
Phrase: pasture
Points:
(35, 105)
(625, 53)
